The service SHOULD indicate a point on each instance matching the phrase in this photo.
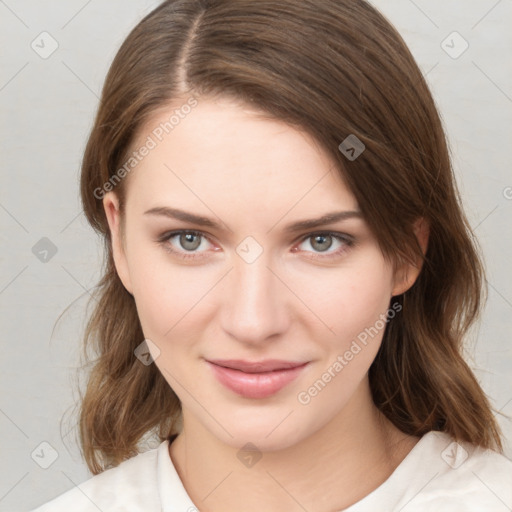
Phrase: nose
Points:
(255, 306)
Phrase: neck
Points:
(342, 462)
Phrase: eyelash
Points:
(347, 240)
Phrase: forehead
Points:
(222, 155)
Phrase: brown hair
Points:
(333, 68)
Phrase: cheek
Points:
(355, 309)
(170, 299)
(351, 300)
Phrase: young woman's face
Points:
(247, 285)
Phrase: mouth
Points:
(256, 379)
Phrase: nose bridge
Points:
(255, 303)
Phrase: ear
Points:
(113, 214)
(408, 272)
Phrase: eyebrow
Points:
(300, 225)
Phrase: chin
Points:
(270, 433)
(263, 443)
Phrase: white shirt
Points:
(438, 475)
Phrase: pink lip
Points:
(255, 379)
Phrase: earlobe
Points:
(408, 272)
(113, 214)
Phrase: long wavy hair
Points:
(333, 68)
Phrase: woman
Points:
(289, 274)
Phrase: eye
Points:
(186, 244)
(322, 243)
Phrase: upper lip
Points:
(267, 365)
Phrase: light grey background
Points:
(47, 111)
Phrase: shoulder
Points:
(133, 485)
(442, 475)
(463, 475)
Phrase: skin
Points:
(255, 176)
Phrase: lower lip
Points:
(255, 385)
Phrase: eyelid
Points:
(335, 234)
(168, 235)
(348, 240)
